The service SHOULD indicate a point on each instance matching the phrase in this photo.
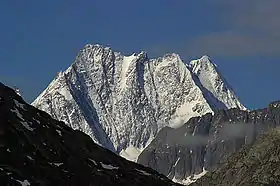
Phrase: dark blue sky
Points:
(39, 38)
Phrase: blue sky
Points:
(40, 38)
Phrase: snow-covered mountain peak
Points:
(205, 57)
(204, 63)
(172, 61)
(96, 48)
(171, 56)
(211, 79)
(94, 45)
(143, 55)
(88, 47)
(122, 101)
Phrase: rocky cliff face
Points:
(38, 150)
(257, 164)
(123, 101)
(186, 153)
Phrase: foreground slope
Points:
(187, 153)
(254, 165)
(38, 150)
(122, 102)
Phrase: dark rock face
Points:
(204, 142)
(38, 150)
(256, 164)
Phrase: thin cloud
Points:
(234, 44)
(252, 26)
(226, 132)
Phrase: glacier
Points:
(122, 102)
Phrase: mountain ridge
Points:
(255, 164)
(203, 143)
(38, 150)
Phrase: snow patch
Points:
(176, 162)
(36, 120)
(190, 179)
(29, 157)
(110, 167)
(23, 183)
(25, 124)
(143, 172)
(130, 153)
(19, 105)
(183, 114)
(59, 132)
(66, 93)
(176, 123)
(18, 114)
(94, 162)
(56, 164)
(125, 66)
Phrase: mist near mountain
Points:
(203, 143)
(229, 131)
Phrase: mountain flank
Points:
(186, 153)
(35, 149)
(254, 165)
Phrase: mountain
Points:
(186, 153)
(212, 80)
(257, 164)
(122, 102)
(38, 150)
